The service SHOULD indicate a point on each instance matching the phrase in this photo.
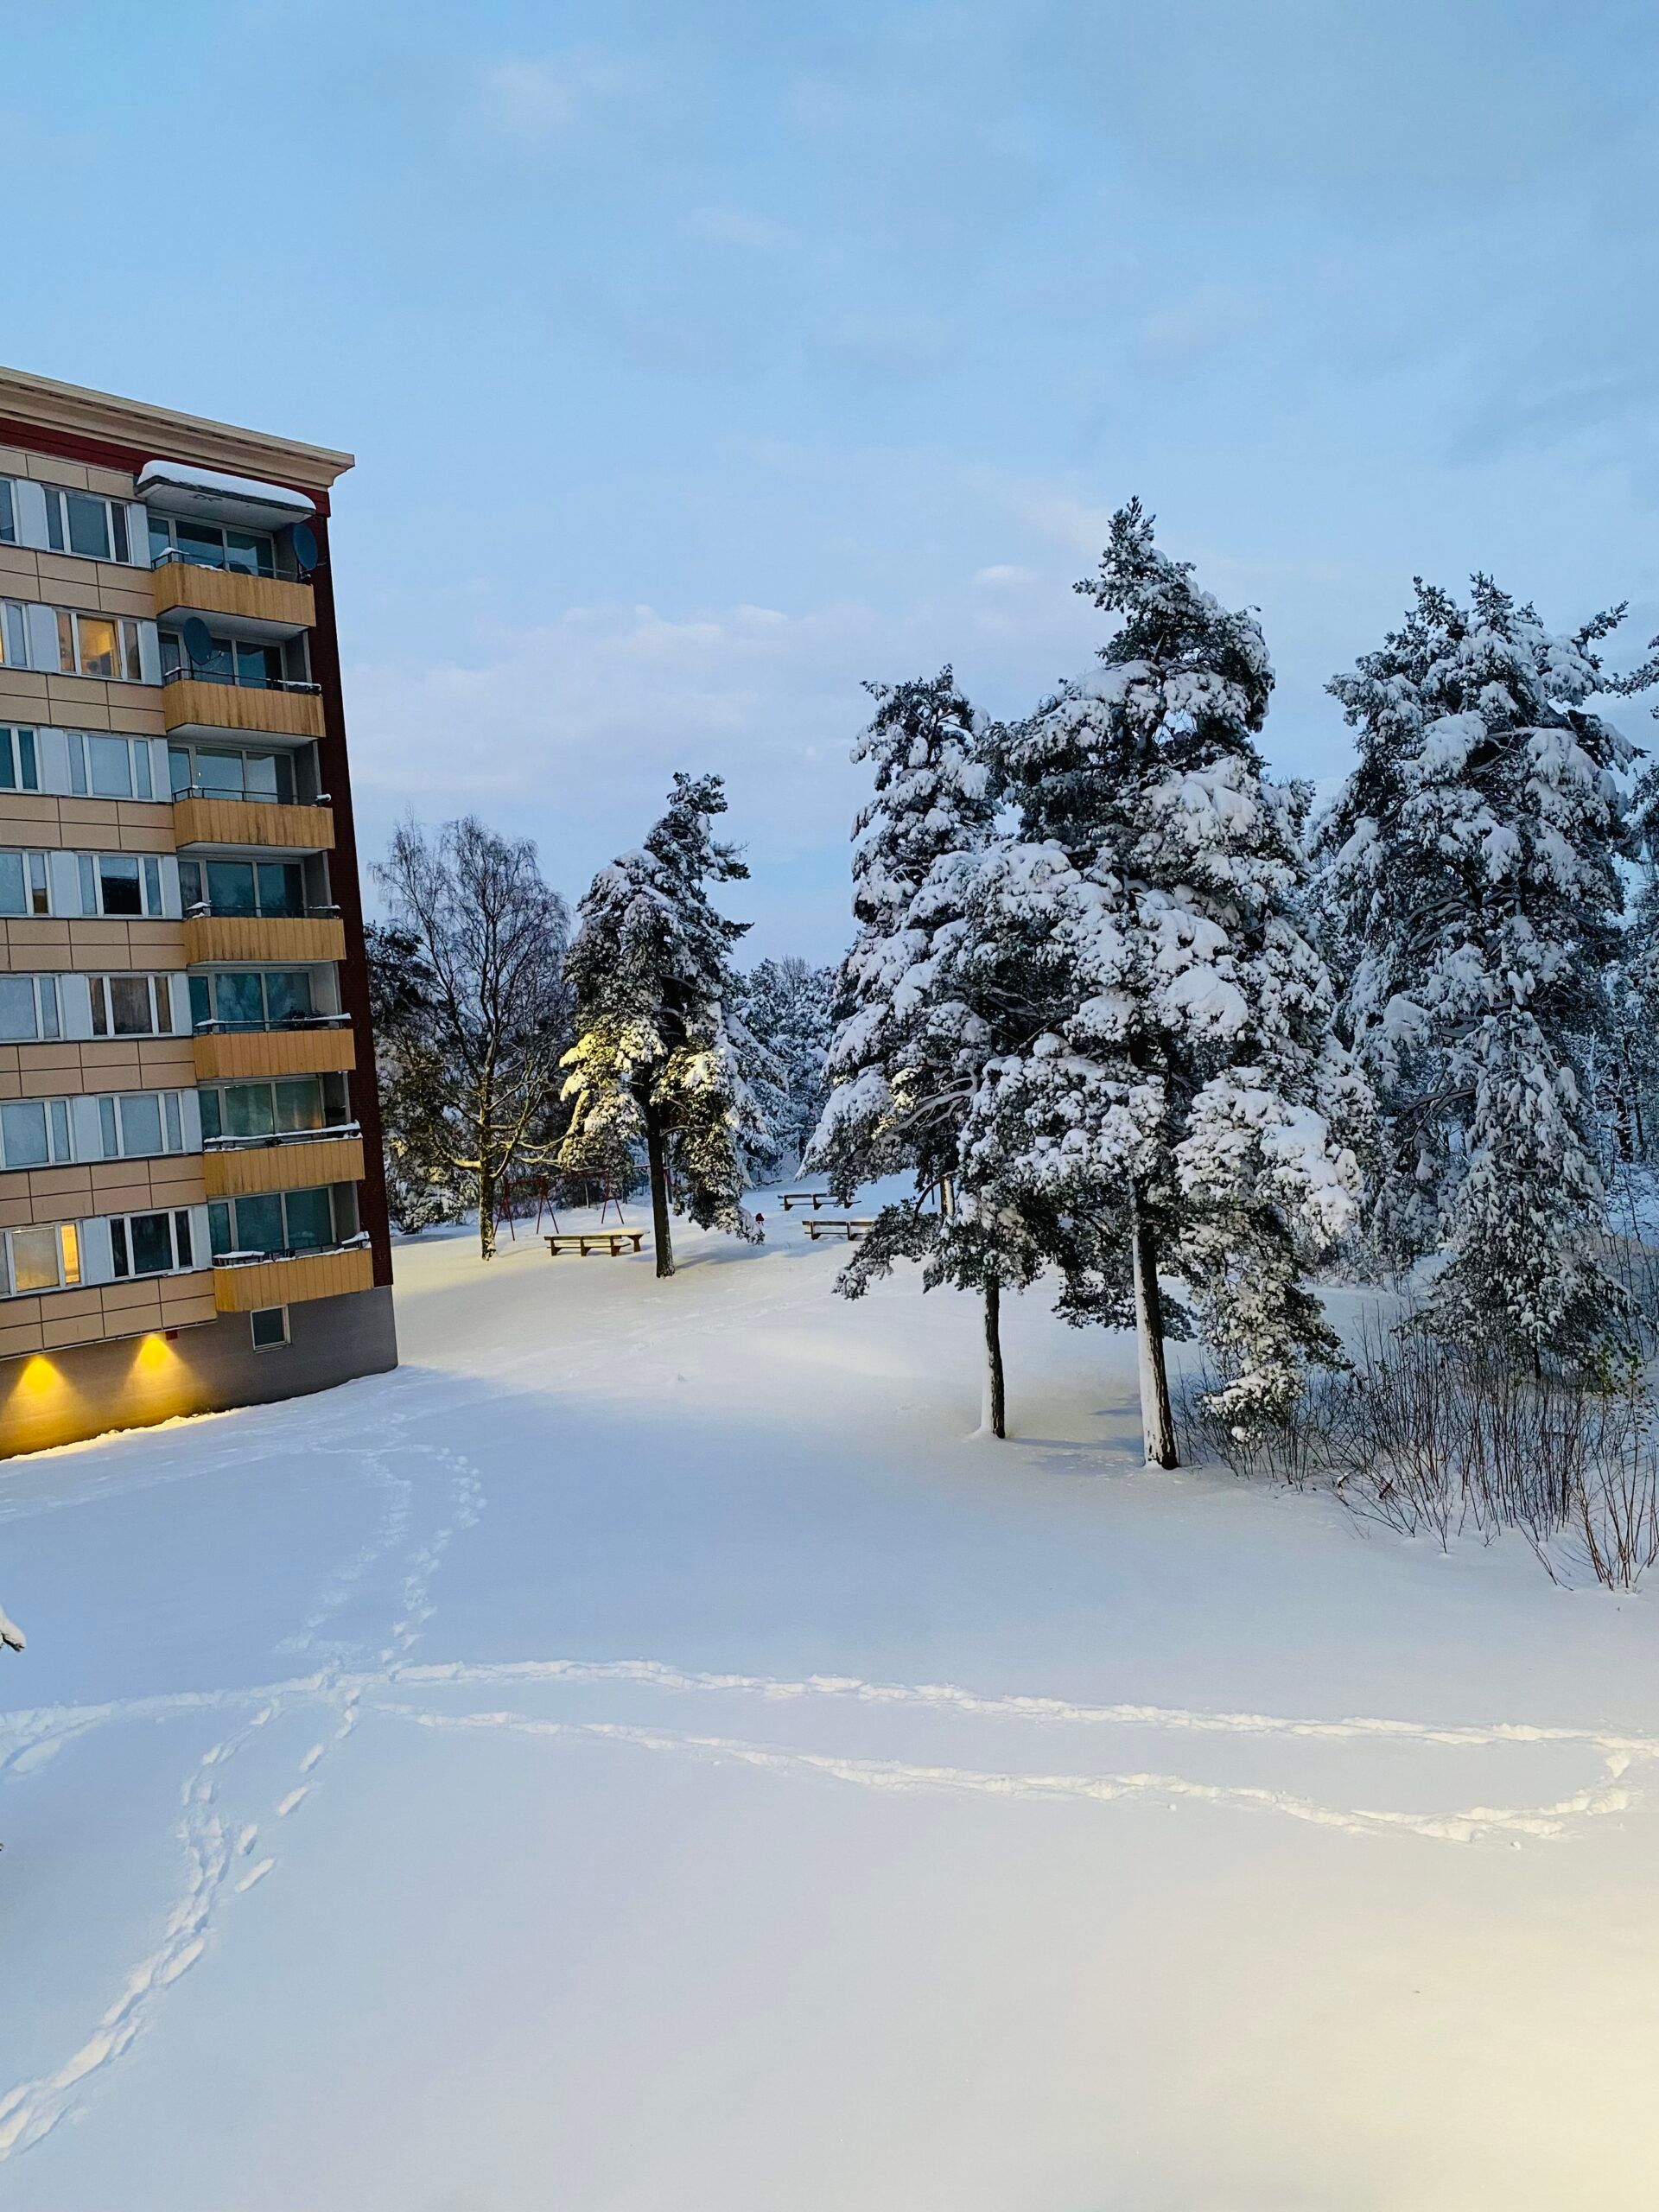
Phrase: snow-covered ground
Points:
(640, 1757)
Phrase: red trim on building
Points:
(348, 897)
(98, 453)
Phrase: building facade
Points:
(192, 1208)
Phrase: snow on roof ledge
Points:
(174, 484)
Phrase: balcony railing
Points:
(288, 573)
(358, 1243)
(238, 681)
(205, 911)
(283, 1136)
(216, 1028)
(246, 798)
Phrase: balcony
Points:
(211, 704)
(280, 940)
(239, 1285)
(271, 607)
(232, 1055)
(205, 819)
(237, 1168)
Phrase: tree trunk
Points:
(1156, 1419)
(658, 1193)
(992, 1416)
(485, 1216)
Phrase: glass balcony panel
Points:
(282, 888)
(239, 1001)
(202, 542)
(288, 995)
(230, 887)
(259, 1223)
(299, 1105)
(310, 1221)
(248, 1110)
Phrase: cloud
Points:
(569, 730)
(732, 226)
(528, 103)
(1209, 319)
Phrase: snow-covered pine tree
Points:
(907, 1049)
(788, 1005)
(1174, 1089)
(1470, 864)
(931, 798)
(657, 1060)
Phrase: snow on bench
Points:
(849, 1228)
(616, 1242)
(814, 1199)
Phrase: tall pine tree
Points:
(1174, 1088)
(1471, 870)
(657, 1060)
(908, 1050)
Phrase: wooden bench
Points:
(814, 1199)
(850, 1228)
(616, 1242)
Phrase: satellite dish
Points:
(305, 546)
(198, 640)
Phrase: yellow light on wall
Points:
(38, 1376)
(154, 1354)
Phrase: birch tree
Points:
(480, 1070)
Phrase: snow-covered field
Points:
(640, 1757)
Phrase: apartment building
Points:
(191, 1209)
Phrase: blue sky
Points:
(704, 359)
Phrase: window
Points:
(151, 1244)
(120, 883)
(242, 888)
(40, 1259)
(136, 1124)
(275, 1220)
(223, 772)
(275, 998)
(109, 768)
(86, 523)
(228, 660)
(28, 1008)
(8, 513)
(294, 1108)
(23, 887)
(99, 645)
(35, 1133)
(131, 1005)
(206, 545)
(14, 635)
(19, 769)
(269, 1326)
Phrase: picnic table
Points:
(849, 1228)
(814, 1199)
(616, 1242)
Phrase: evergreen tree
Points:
(1173, 1085)
(908, 1049)
(1471, 867)
(788, 1008)
(657, 1059)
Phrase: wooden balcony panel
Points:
(291, 1282)
(253, 822)
(284, 941)
(179, 585)
(238, 1055)
(193, 702)
(282, 1167)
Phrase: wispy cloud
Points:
(733, 226)
(527, 101)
